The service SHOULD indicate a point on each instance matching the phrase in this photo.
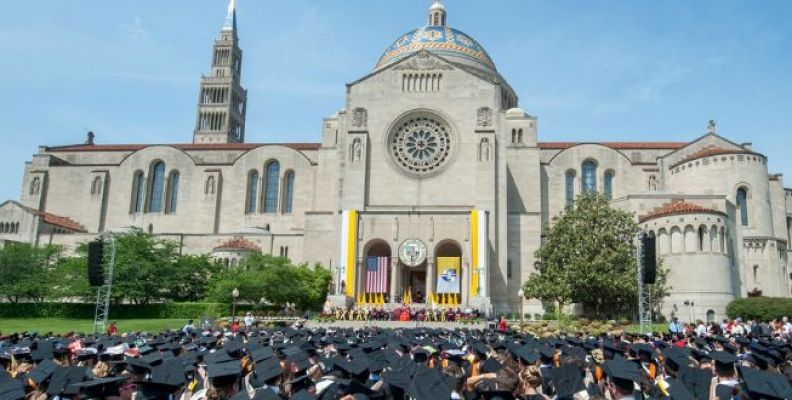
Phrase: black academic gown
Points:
(547, 387)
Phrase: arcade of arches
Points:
(418, 281)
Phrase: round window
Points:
(420, 145)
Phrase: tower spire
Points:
(222, 101)
(437, 14)
(230, 22)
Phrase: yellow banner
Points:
(474, 256)
(351, 261)
(448, 274)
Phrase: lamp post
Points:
(521, 293)
(234, 296)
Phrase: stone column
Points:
(430, 274)
(466, 273)
(394, 279)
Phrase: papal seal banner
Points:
(412, 252)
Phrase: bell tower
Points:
(222, 101)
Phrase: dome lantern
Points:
(437, 14)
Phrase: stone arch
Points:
(451, 248)
(376, 248)
(588, 175)
(677, 241)
(714, 239)
(723, 244)
(710, 315)
(514, 136)
(484, 150)
(663, 241)
(691, 241)
(703, 239)
(211, 186)
(96, 185)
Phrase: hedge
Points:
(121, 311)
(760, 308)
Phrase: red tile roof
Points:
(710, 151)
(182, 146)
(239, 243)
(678, 207)
(616, 145)
(56, 220)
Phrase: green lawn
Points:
(662, 328)
(55, 325)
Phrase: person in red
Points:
(235, 327)
(502, 324)
(112, 329)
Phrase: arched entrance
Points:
(375, 274)
(448, 281)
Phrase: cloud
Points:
(134, 30)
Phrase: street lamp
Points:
(234, 296)
(521, 293)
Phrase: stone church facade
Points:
(430, 158)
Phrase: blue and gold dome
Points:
(437, 38)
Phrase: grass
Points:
(655, 328)
(56, 325)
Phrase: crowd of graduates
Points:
(376, 363)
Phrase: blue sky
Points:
(590, 70)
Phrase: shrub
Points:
(119, 311)
(761, 308)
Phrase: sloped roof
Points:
(615, 145)
(679, 207)
(239, 243)
(710, 151)
(182, 146)
(52, 219)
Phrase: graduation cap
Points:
(766, 385)
(567, 380)
(479, 348)
(678, 391)
(265, 371)
(622, 373)
(42, 372)
(495, 395)
(302, 395)
(63, 378)
(724, 362)
(674, 358)
(223, 374)
(301, 383)
(11, 389)
(262, 354)
(431, 384)
(99, 388)
(491, 365)
(259, 394)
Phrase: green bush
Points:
(761, 308)
(120, 311)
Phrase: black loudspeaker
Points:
(96, 263)
(649, 272)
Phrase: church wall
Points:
(693, 247)
(457, 103)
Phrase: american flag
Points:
(377, 275)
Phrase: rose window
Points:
(421, 146)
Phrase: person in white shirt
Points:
(249, 322)
(701, 329)
(787, 326)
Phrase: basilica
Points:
(370, 199)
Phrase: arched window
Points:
(253, 181)
(157, 187)
(589, 179)
(742, 205)
(271, 188)
(173, 191)
(710, 315)
(756, 274)
(138, 188)
(96, 186)
(570, 189)
(289, 193)
(702, 231)
(608, 185)
(16, 227)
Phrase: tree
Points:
(274, 279)
(26, 271)
(588, 257)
